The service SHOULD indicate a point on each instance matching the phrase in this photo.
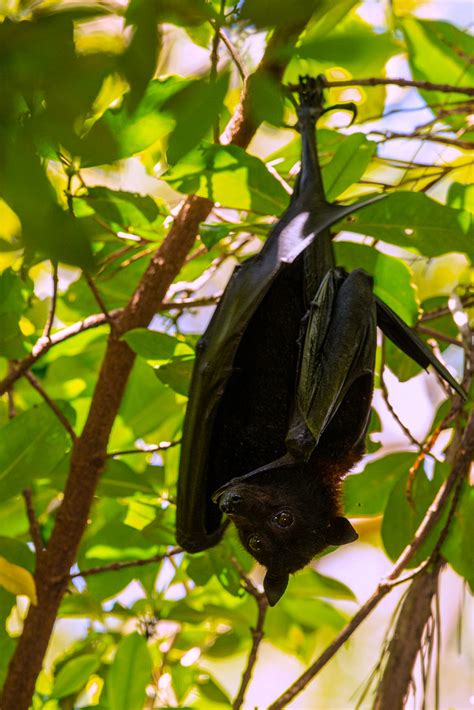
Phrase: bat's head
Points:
(283, 520)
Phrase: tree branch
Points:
(405, 644)
(459, 470)
(386, 399)
(90, 449)
(52, 310)
(381, 81)
(117, 566)
(51, 404)
(257, 634)
(467, 302)
(99, 299)
(163, 446)
(33, 521)
(434, 138)
(438, 336)
(43, 345)
(234, 55)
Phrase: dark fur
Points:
(251, 428)
(310, 491)
(252, 419)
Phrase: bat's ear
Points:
(340, 532)
(274, 586)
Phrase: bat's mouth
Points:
(286, 460)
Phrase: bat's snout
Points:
(230, 502)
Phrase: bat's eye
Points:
(283, 519)
(255, 543)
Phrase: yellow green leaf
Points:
(17, 580)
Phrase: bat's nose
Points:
(230, 502)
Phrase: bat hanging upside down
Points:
(282, 386)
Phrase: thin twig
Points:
(162, 446)
(11, 403)
(87, 276)
(116, 566)
(380, 81)
(234, 53)
(439, 336)
(461, 319)
(467, 302)
(35, 531)
(459, 470)
(214, 60)
(42, 346)
(99, 299)
(393, 135)
(425, 449)
(54, 297)
(386, 399)
(189, 303)
(51, 404)
(10, 394)
(257, 634)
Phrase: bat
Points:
(281, 391)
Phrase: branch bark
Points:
(406, 641)
(90, 450)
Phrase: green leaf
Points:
(402, 366)
(375, 427)
(414, 221)
(177, 373)
(213, 232)
(352, 44)
(17, 552)
(402, 517)
(74, 675)
(458, 549)
(327, 17)
(230, 176)
(212, 692)
(148, 408)
(186, 12)
(17, 580)
(367, 493)
(162, 530)
(46, 228)
(226, 644)
(34, 443)
(129, 675)
(200, 569)
(438, 52)
(125, 211)
(120, 134)
(348, 164)
(312, 585)
(313, 613)
(285, 159)
(225, 571)
(461, 197)
(268, 13)
(266, 99)
(119, 480)
(195, 111)
(11, 308)
(153, 345)
(140, 59)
